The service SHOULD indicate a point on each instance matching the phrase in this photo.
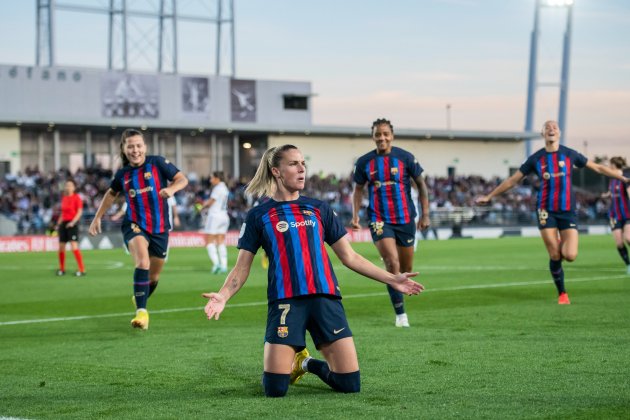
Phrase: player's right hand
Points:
(355, 224)
(215, 305)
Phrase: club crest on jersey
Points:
(282, 226)
(561, 164)
(135, 228)
(377, 227)
(283, 331)
(542, 217)
(147, 175)
(307, 212)
(394, 171)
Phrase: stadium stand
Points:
(30, 200)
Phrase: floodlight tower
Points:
(564, 75)
(120, 40)
(44, 50)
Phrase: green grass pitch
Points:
(487, 339)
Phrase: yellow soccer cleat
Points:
(264, 261)
(141, 320)
(298, 372)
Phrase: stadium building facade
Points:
(66, 117)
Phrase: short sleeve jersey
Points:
(141, 186)
(554, 170)
(220, 193)
(293, 234)
(619, 200)
(388, 183)
(70, 205)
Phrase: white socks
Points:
(218, 255)
(213, 254)
(223, 256)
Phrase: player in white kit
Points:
(217, 223)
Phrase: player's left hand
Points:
(215, 305)
(484, 199)
(424, 222)
(95, 227)
(405, 285)
(166, 193)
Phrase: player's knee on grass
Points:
(345, 382)
(275, 384)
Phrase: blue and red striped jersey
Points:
(141, 186)
(389, 188)
(554, 170)
(619, 202)
(293, 234)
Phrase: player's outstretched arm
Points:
(356, 262)
(179, 182)
(108, 200)
(357, 198)
(605, 170)
(506, 185)
(233, 283)
(423, 196)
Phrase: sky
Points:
(407, 60)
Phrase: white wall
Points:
(338, 154)
(10, 147)
(74, 96)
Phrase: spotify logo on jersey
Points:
(282, 226)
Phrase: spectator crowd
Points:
(31, 199)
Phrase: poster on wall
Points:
(125, 95)
(195, 96)
(243, 94)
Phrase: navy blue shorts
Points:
(618, 223)
(68, 234)
(560, 220)
(158, 242)
(404, 234)
(322, 316)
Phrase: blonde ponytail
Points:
(263, 182)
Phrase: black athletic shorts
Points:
(321, 315)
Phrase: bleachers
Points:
(31, 200)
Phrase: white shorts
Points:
(217, 224)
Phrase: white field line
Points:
(355, 296)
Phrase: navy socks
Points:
(141, 287)
(557, 273)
